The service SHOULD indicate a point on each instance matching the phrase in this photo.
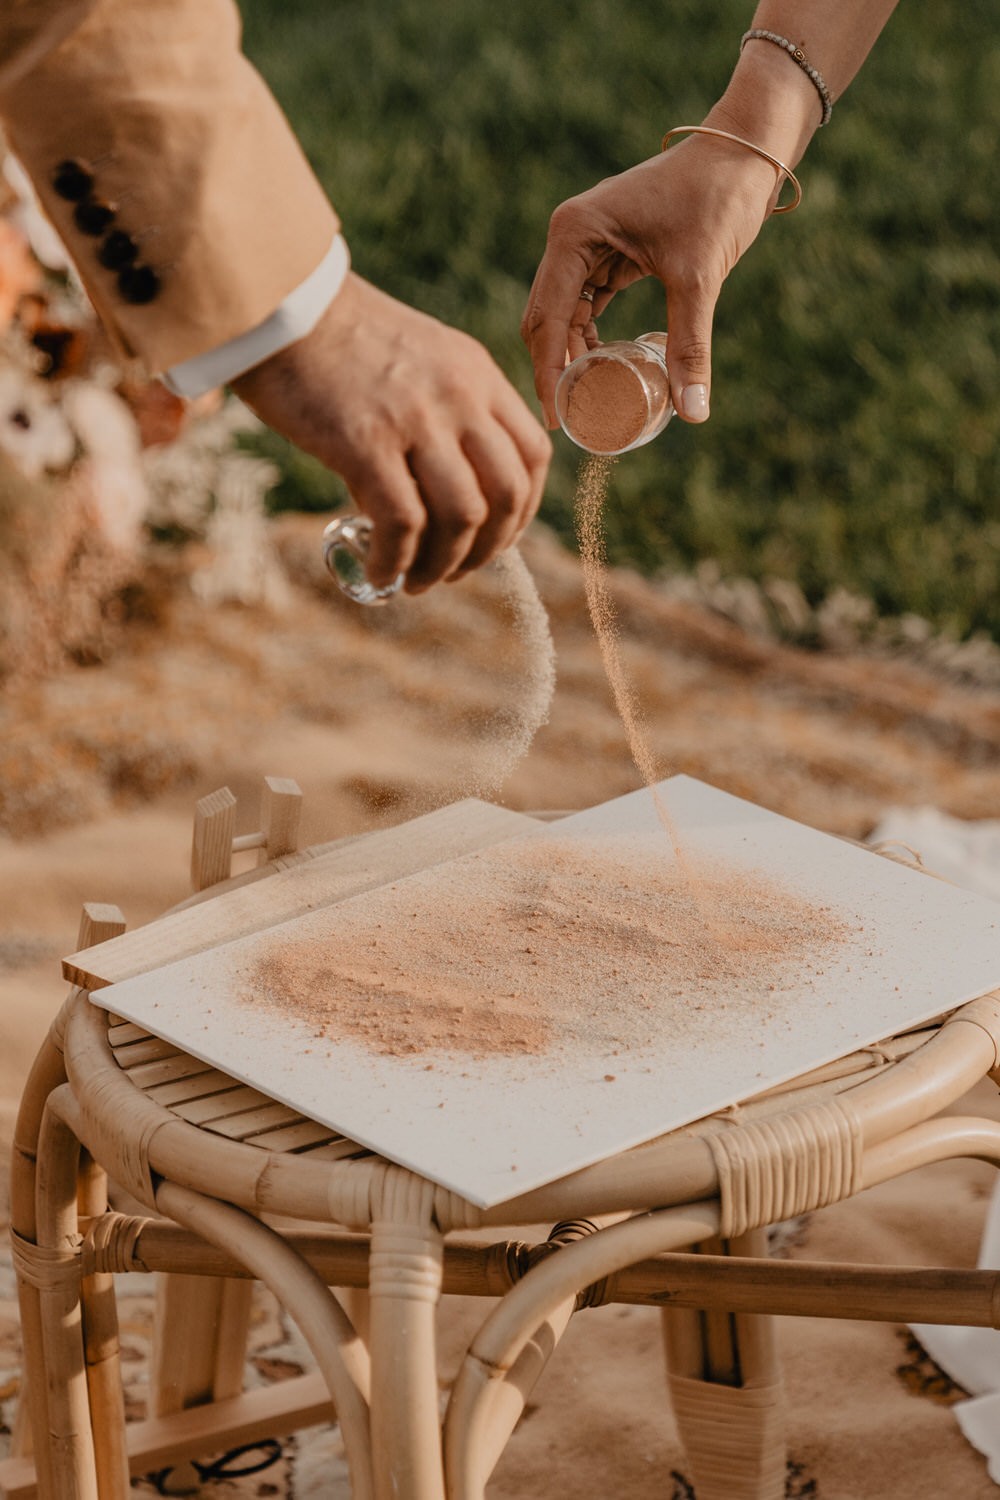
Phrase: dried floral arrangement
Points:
(100, 466)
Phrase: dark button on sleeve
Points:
(92, 216)
(138, 284)
(117, 250)
(72, 180)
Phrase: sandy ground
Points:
(382, 714)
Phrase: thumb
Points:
(689, 353)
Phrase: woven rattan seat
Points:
(203, 1096)
(222, 1184)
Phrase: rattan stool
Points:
(679, 1224)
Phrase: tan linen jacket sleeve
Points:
(181, 140)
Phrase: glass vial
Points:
(345, 550)
(616, 397)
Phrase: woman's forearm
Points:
(835, 35)
(770, 98)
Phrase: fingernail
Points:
(694, 402)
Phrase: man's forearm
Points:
(165, 164)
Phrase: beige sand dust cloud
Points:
(511, 728)
(514, 728)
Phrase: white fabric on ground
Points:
(967, 853)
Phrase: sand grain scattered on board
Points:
(543, 944)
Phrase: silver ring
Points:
(587, 294)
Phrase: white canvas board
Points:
(492, 1127)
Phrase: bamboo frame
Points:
(889, 1100)
(70, 1435)
(98, 923)
(674, 1280)
(101, 1350)
(488, 1391)
(892, 1099)
(213, 1156)
(404, 1286)
(46, 1075)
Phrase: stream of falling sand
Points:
(591, 493)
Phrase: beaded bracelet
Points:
(815, 77)
(725, 135)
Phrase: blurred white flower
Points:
(112, 453)
(34, 433)
(29, 218)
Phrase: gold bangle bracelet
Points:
(725, 135)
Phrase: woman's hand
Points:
(685, 217)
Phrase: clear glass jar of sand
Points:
(616, 397)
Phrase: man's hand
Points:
(433, 442)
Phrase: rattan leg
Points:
(69, 1438)
(21, 1445)
(47, 1073)
(727, 1394)
(354, 1300)
(101, 1351)
(404, 1288)
(198, 1328)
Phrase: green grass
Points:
(855, 436)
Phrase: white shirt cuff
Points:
(297, 316)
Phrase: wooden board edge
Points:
(94, 968)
